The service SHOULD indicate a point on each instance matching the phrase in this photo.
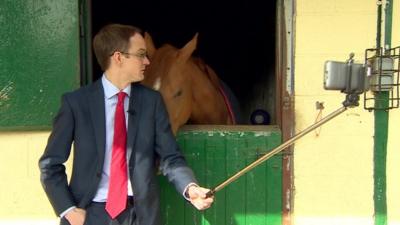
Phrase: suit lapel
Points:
(97, 114)
(135, 106)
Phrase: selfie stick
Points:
(348, 103)
(352, 99)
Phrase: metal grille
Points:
(383, 76)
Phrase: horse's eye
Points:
(177, 94)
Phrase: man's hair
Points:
(112, 38)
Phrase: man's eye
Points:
(142, 55)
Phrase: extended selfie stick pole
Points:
(351, 101)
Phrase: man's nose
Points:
(146, 61)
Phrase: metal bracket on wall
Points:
(383, 75)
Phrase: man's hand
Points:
(76, 216)
(197, 196)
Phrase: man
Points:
(118, 128)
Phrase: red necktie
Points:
(118, 188)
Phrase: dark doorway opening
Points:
(236, 39)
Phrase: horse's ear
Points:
(149, 45)
(188, 49)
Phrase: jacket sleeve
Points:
(172, 162)
(51, 164)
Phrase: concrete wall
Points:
(333, 167)
(21, 195)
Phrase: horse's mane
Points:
(212, 76)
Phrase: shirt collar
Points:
(110, 89)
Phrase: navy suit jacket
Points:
(81, 122)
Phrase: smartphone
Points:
(336, 77)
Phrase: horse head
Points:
(189, 87)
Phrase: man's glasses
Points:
(140, 55)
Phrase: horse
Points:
(191, 89)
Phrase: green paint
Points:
(380, 141)
(388, 23)
(39, 60)
(255, 198)
(381, 130)
(380, 150)
(85, 41)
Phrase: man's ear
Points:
(115, 58)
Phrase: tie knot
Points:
(121, 96)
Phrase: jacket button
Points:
(98, 175)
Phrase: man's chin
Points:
(138, 78)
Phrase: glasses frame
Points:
(141, 56)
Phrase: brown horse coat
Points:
(190, 88)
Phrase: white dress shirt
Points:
(111, 100)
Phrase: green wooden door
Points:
(216, 153)
(39, 60)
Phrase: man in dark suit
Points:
(118, 128)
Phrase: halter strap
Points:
(221, 90)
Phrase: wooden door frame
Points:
(85, 35)
(285, 97)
